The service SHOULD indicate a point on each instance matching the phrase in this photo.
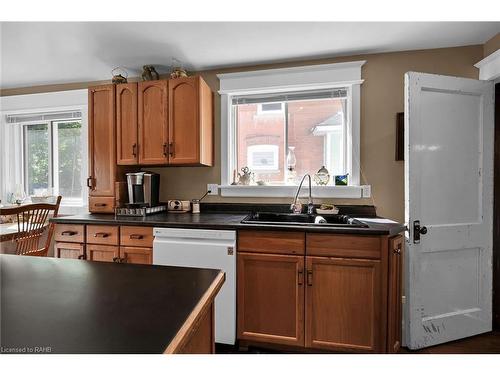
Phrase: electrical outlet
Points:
(366, 191)
(213, 189)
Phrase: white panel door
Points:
(449, 190)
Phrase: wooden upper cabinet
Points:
(394, 296)
(102, 141)
(153, 122)
(343, 304)
(190, 122)
(271, 298)
(126, 124)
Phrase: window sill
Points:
(290, 191)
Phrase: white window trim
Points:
(312, 77)
(12, 174)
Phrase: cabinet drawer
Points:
(69, 250)
(102, 234)
(343, 246)
(70, 233)
(136, 236)
(102, 204)
(273, 242)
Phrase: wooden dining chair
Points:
(32, 222)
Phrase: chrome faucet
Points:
(296, 206)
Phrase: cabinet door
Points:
(153, 122)
(136, 255)
(102, 142)
(102, 253)
(394, 308)
(69, 250)
(343, 308)
(126, 124)
(184, 124)
(271, 298)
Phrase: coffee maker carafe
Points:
(143, 189)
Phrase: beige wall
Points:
(491, 45)
(381, 98)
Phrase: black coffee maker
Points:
(143, 189)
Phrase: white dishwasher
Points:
(203, 248)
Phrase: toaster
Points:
(175, 205)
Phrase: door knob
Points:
(417, 231)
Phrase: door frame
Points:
(496, 214)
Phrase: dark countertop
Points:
(229, 220)
(94, 307)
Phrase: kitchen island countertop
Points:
(64, 306)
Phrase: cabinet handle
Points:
(68, 233)
(165, 149)
(100, 204)
(101, 234)
(171, 148)
(81, 256)
(309, 278)
(134, 150)
(397, 250)
(90, 184)
(136, 236)
(300, 277)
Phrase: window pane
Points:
(260, 143)
(69, 154)
(315, 128)
(36, 143)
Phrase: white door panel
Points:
(449, 189)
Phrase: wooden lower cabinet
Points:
(342, 295)
(343, 304)
(136, 255)
(102, 253)
(271, 298)
(69, 250)
(394, 296)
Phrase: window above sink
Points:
(311, 112)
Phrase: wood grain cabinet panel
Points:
(190, 122)
(69, 250)
(344, 246)
(271, 298)
(343, 304)
(136, 236)
(126, 124)
(394, 296)
(102, 234)
(102, 146)
(102, 253)
(153, 122)
(69, 233)
(271, 242)
(136, 255)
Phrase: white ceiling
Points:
(46, 53)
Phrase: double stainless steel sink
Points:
(273, 218)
